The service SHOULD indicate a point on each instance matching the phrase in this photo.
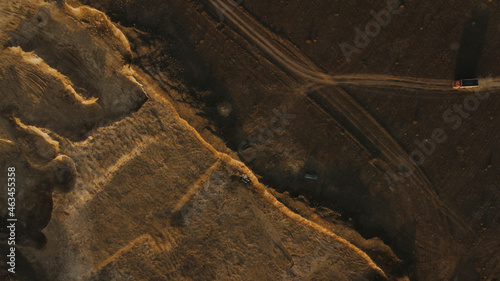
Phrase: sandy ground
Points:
(354, 119)
(117, 185)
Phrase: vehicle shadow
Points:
(471, 47)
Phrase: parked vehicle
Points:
(466, 83)
(311, 176)
(244, 178)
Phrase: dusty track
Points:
(371, 132)
(292, 61)
(258, 187)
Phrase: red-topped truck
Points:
(466, 84)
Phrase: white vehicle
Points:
(244, 178)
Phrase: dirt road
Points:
(371, 133)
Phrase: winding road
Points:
(292, 61)
(371, 133)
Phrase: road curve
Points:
(371, 131)
(304, 68)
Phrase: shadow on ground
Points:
(471, 47)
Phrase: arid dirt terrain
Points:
(250, 140)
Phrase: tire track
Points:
(372, 132)
(307, 70)
(256, 185)
(364, 128)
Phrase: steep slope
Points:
(140, 194)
